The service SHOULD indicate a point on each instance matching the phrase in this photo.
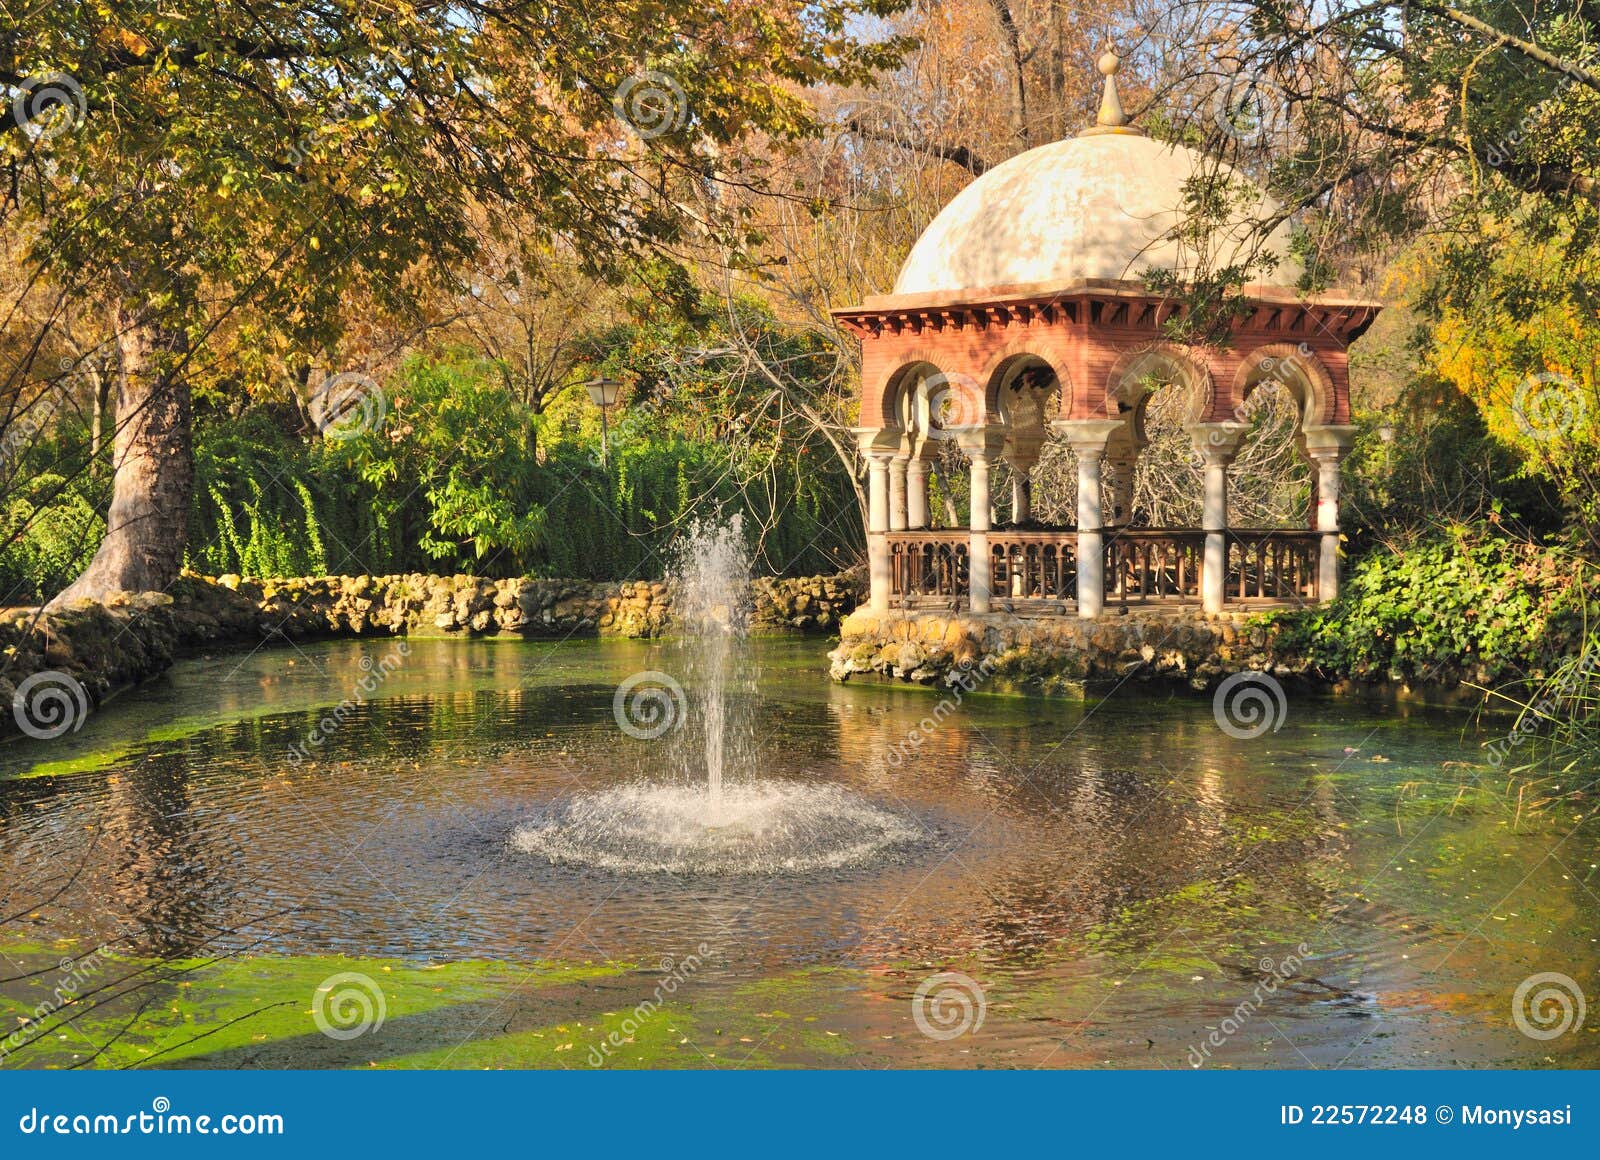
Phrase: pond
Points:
(1115, 883)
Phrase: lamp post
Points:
(603, 392)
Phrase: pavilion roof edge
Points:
(1086, 288)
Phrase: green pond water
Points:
(1115, 883)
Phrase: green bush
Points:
(1470, 605)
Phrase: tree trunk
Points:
(152, 457)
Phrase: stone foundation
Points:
(1060, 654)
(105, 647)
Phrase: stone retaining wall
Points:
(1060, 654)
(104, 647)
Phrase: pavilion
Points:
(1021, 311)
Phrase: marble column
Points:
(1119, 489)
(1088, 439)
(982, 446)
(917, 493)
(1327, 447)
(1216, 444)
(878, 447)
(897, 492)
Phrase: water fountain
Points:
(715, 814)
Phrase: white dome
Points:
(1096, 206)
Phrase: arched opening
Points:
(1153, 479)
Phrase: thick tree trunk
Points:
(152, 462)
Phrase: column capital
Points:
(1330, 442)
(1217, 443)
(1087, 436)
(879, 441)
(983, 442)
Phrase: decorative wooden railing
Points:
(929, 564)
(1142, 565)
(1034, 565)
(1273, 565)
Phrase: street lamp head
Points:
(603, 391)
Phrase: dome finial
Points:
(1111, 114)
(1112, 119)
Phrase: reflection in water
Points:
(1105, 870)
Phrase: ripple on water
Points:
(754, 828)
